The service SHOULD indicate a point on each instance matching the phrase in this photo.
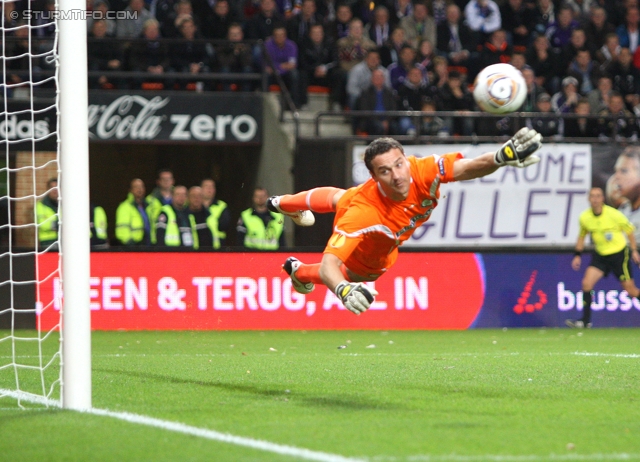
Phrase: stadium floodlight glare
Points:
(32, 373)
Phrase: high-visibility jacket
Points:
(212, 225)
(47, 217)
(130, 223)
(216, 211)
(260, 236)
(174, 236)
(98, 225)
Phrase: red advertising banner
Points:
(234, 291)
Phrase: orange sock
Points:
(318, 200)
(311, 273)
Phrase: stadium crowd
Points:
(578, 56)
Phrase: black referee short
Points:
(618, 263)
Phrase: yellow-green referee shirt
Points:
(608, 230)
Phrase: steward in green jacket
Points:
(258, 228)
(174, 227)
(47, 215)
(133, 225)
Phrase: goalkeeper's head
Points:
(380, 146)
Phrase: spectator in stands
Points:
(218, 209)
(378, 97)
(162, 194)
(261, 25)
(545, 125)
(101, 6)
(626, 78)
(433, 125)
(98, 227)
(379, 30)
(203, 224)
(398, 71)
(581, 9)
(339, 28)
(440, 73)
(454, 38)
(496, 50)
(565, 100)
(598, 27)
(133, 217)
(131, 25)
(9, 18)
(559, 31)
(403, 9)
(516, 21)
(419, 25)
(629, 31)
(103, 55)
(545, 62)
(327, 9)
(439, 10)
(454, 96)
(171, 27)
(621, 127)
(426, 55)
(216, 25)
(150, 54)
(599, 97)
(483, 18)
(44, 25)
(188, 55)
(47, 215)
(411, 94)
(585, 71)
(173, 227)
(234, 56)
(518, 60)
(533, 91)
(581, 127)
(353, 48)
(258, 228)
(20, 45)
(608, 53)
(319, 66)
(298, 26)
(544, 16)
(577, 42)
(390, 51)
(359, 78)
(283, 54)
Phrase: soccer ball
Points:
(500, 89)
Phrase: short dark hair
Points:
(380, 146)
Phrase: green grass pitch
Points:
(498, 395)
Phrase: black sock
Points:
(586, 307)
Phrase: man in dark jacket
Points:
(378, 97)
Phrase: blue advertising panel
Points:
(535, 290)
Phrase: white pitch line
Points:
(614, 355)
(509, 458)
(300, 453)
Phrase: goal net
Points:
(34, 324)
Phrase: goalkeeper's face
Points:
(392, 172)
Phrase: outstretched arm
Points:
(517, 152)
(355, 296)
(468, 169)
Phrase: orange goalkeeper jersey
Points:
(369, 227)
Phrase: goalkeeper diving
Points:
(373, 219)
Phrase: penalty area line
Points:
(177, 427)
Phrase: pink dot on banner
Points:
(529, 308)
(518, 309)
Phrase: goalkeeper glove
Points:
(518, 151)
(356, 296)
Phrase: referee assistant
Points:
(608, 228)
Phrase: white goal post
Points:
(74, 209)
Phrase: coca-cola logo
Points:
(135, 117)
